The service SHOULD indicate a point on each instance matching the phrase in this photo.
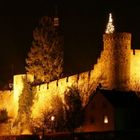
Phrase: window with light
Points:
(105, 119)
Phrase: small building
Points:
(109, 110)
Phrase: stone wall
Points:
(117, 47)
(45, 92)
(117, 67)
(135, 70)
(7, 102)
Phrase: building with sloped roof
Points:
(109, 110)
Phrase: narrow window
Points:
(105, 119)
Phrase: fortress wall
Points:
(45, 93)
(84, 82)
(17, 89)
(58, 85)
(101, 72)
(83, 86)
(9, 99)
(112, 69)
(7, 102)
(95, 74)
(107, 61)
(42, 100)
(135, 70)
(104, 68)
(63, 84)
(117, 67)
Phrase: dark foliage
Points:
(74, 113)
(3, 115)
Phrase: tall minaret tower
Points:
(117, 46)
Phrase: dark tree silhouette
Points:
(74, 113)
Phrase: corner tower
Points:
(117, 47)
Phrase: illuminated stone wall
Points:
(117, 60)
(117, 67)
(45, 92)
(18, 85)
(112, 71)
(135, 70)
(7, 102)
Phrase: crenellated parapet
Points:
(117, 37)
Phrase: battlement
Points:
(117, 37)
(74, 80)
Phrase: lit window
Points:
(105, 119)
(56, 21)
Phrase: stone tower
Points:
(117, 47)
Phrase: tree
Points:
(42, 123)
(73, 108)
(58, 113)
(45, 59)
(45, 123)
(25, 104)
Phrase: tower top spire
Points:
(110, 27)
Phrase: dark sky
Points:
(84, 23)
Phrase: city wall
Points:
(85, 82)
(7, 102)
(103, 72)
(135, 70)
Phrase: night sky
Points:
(83, 24)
